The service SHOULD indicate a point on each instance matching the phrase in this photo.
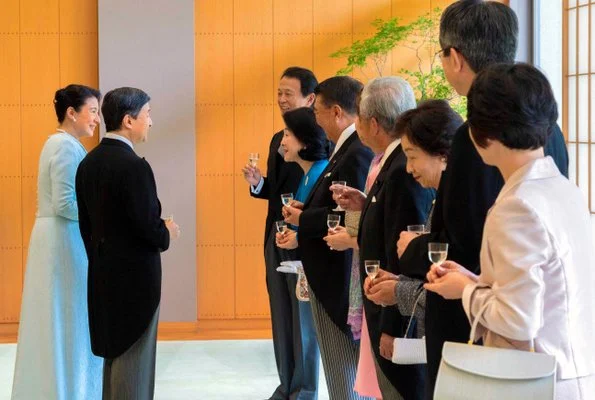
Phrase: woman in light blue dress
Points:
(54, 359)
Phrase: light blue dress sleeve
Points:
(63, 165)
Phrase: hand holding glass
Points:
(372, 267)
(437, 252)
(286, 199)
(253, 159)
(281, 226)
(332, 221)
(342, 185)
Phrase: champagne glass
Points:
(286, 199)
(281, 226)
(339, 191)
(372, 267)
(332, 221)
(168, 218)
(253, 159)
(437, 252)
(417, 229)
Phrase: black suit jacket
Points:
(395, 200)
(329, 271)
(467, 190)
(119, 219)
(283, 177)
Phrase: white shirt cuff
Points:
(258, 188)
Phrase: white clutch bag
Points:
(490, 373)
(410, 350)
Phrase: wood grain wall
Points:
(242, 46)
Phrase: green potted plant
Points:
(421, 36)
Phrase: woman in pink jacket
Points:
(537, 259)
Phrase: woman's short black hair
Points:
(73, 96)
(513, 104)
(120, 102)
(302, 123)
(431, 126)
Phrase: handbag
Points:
(409, 351)
(469, 371)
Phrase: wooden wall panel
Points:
(366, 11)
(11, 284)
(214, 130)
(216, 282)
(215, 197)
(333, 16)
(241, 49)
(76, 66)
(11, 69)
(213, 16)
(44, 44)
(290, 16)
(9, 17)
(214, 69)
(253, 16)
(253, 69)
(40, 16)
(251, 297)
(40, 68)
(10, 160)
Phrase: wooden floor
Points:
(200, 330)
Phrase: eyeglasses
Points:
(445, 51)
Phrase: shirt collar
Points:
(389, 149)
(347, 132)
(121, 138)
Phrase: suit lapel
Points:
(377, 185)
(331, 165)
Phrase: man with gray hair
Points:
(394, 200)
(473, 35)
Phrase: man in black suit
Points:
(119, 219)
(294, 341)
(328, 272)
(473, 35)
(394, 200)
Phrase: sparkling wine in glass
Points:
(372, 267)
(286, 199)
(332, 221)
(342, 185)
(253, 159)
(281, 226)
(437, 252)
(417, 229)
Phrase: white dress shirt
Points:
(121, 138)
(538, 270)
(347, 132)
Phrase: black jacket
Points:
(467, 190)
(329, 271)
(120, 223)
(394, 201)
(282, 177)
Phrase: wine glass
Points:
(339, 191)
(437, 252)
(332, 221)
(286, 199)
(372, 267)
(417, 229)
(168, 217)
(281, 226)
(253, 159)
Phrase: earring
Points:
(73, 119)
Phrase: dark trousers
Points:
(294, 336)
(131, 376)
